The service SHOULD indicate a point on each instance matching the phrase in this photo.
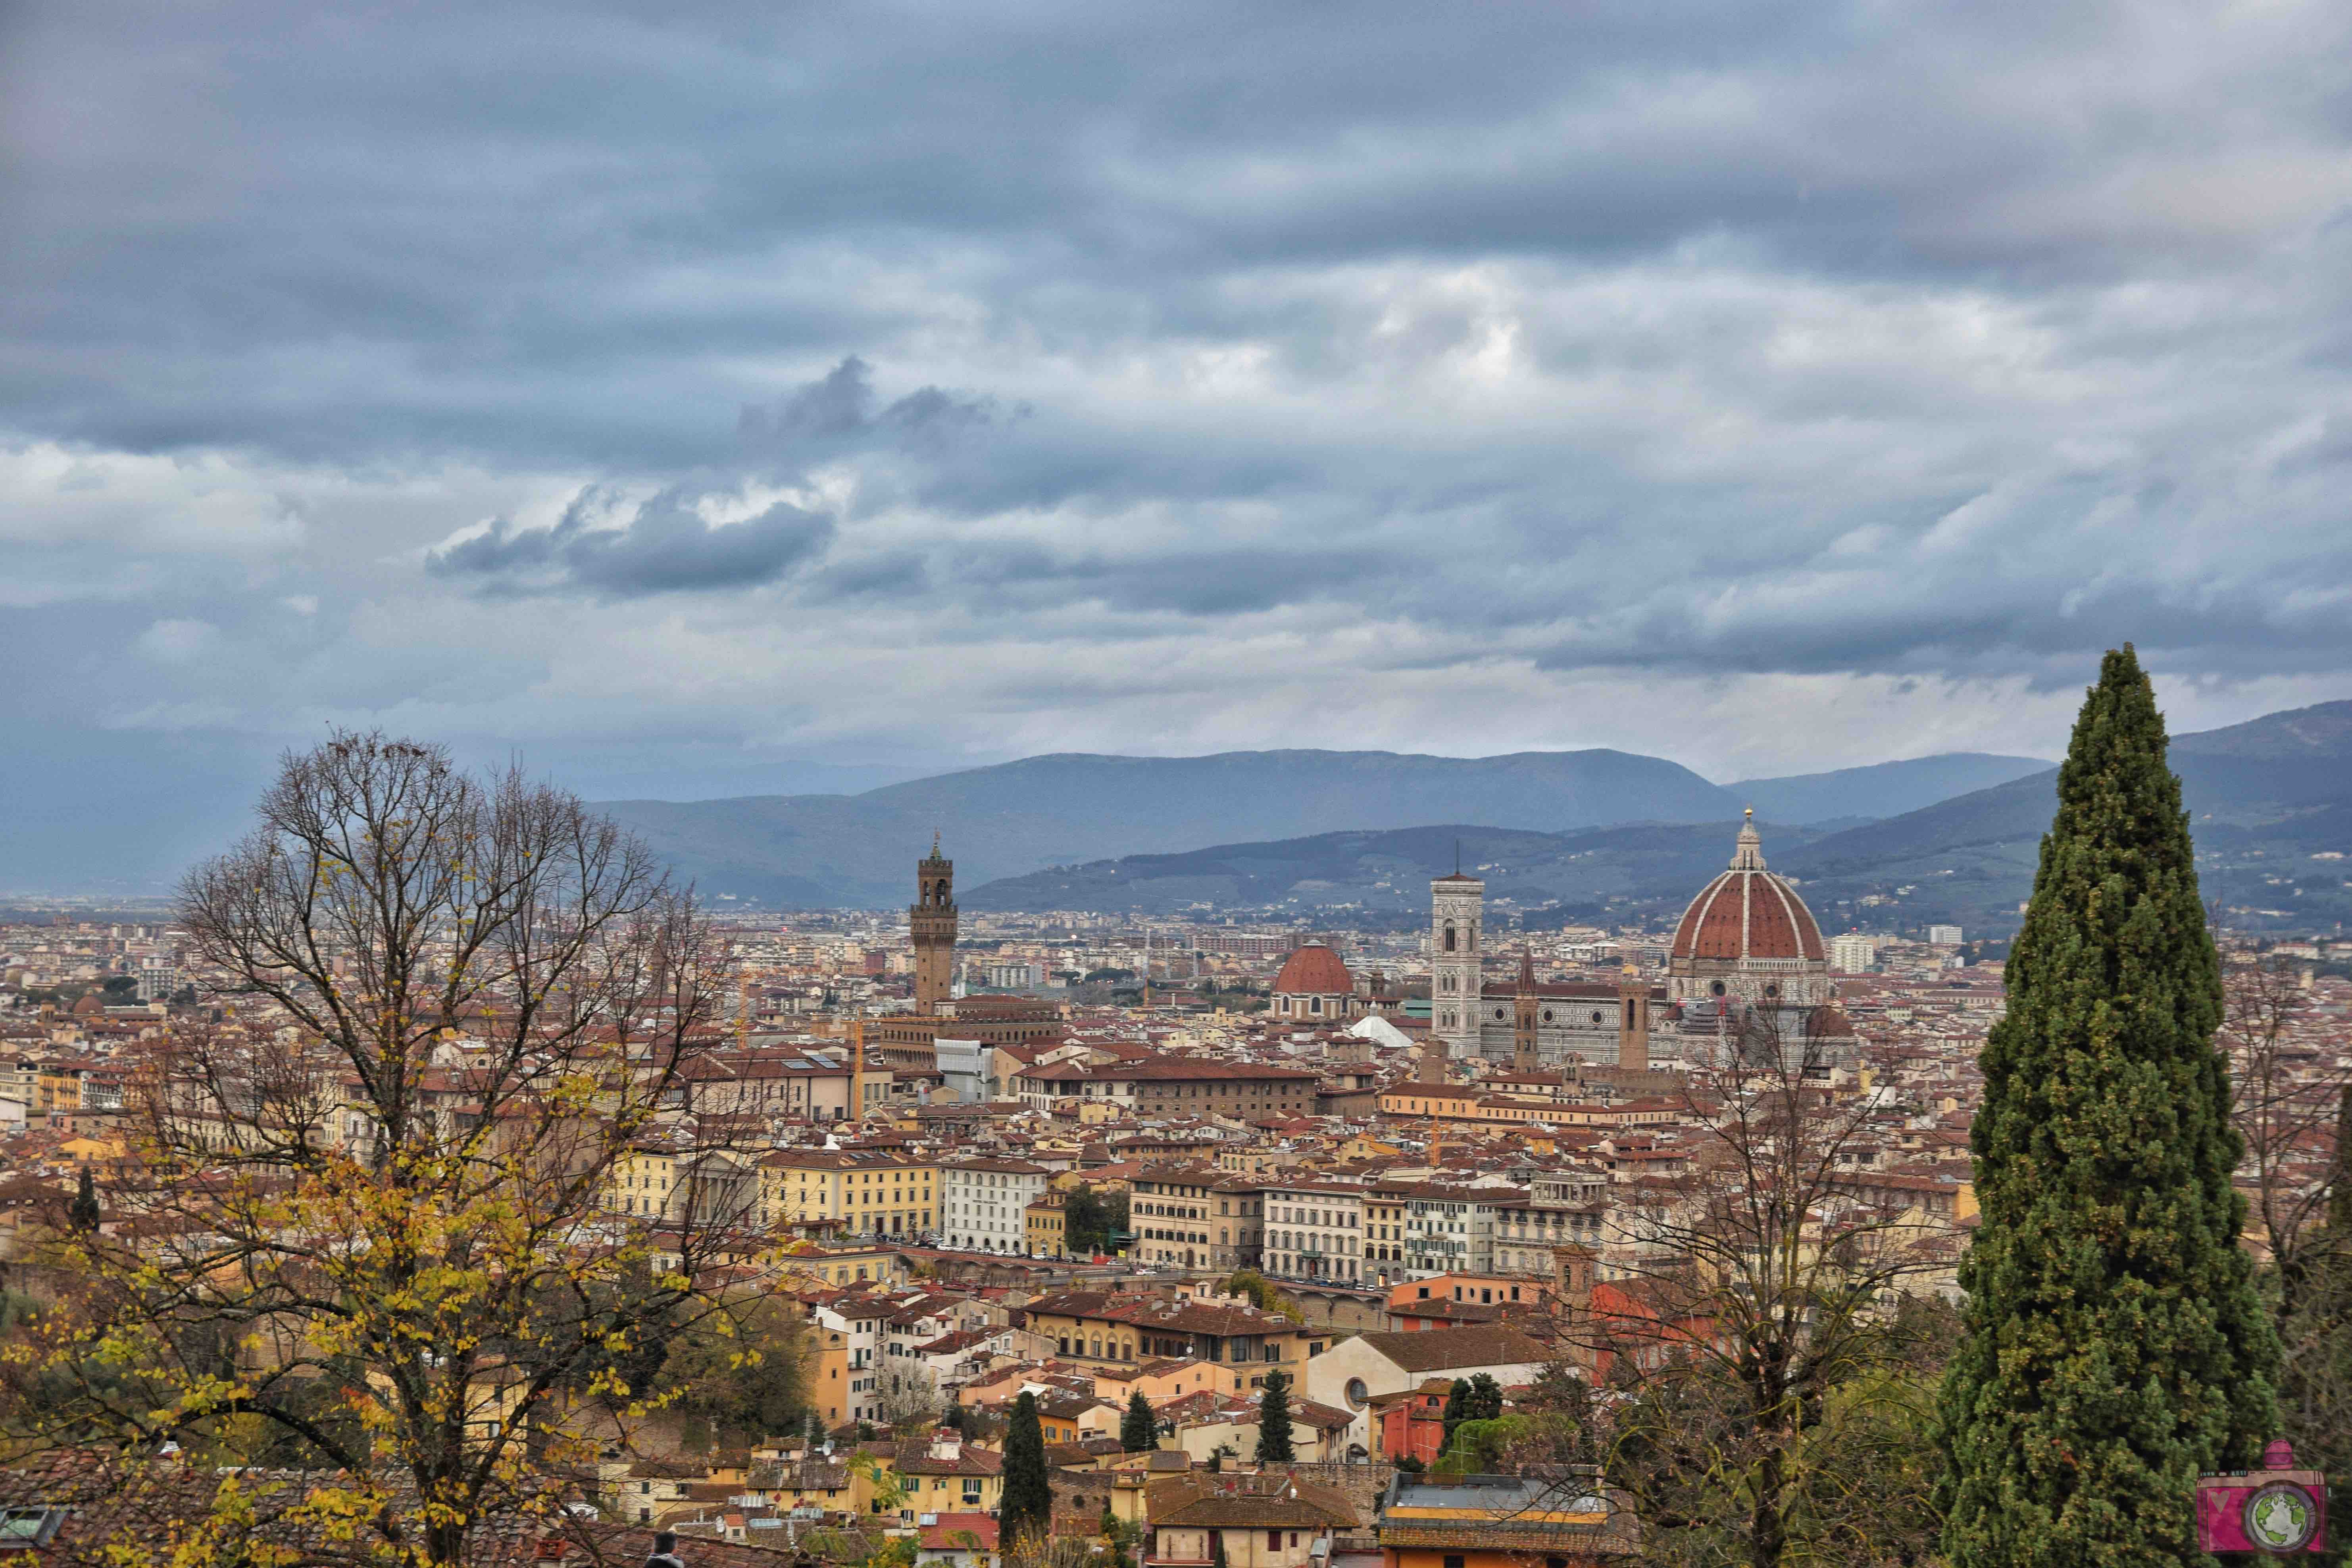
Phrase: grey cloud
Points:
(667, 547)
(1688, 340)
(842, 407)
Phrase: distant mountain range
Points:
(1020, 818)
(2270, 802)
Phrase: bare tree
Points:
(2285, 1107)
(912, 1403)
(1754, 1333)
(407, 1223)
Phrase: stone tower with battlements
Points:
(932, 922)
(1457, 909)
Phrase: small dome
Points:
(1313, 971)
(1748, 912)
(89, 1007)
(1829, 1021)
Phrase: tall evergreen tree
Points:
(2115, 1344)
(1027, 1508)
(83, 1215)
(1483, 1400)
(1273, 1418)
(1457, 1410)
(1139, 1429)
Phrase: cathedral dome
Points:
(1313, 971)
(1747, 913)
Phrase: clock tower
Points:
(932, 922)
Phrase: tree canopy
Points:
(2115, 1345)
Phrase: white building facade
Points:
(1315, 1230)
(986, 1204)
(1854, 954)
(1450, 1230)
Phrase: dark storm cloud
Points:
(664, 547)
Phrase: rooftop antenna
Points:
(1457, 855)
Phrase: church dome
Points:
(1313, 971)
(1829, 1021)
(1747, 913)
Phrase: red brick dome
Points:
(1748, 912)
(1315, 971)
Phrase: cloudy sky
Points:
(775, 396)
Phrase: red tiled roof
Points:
(1314, 970)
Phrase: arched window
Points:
(1449, 936)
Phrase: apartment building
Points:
(1315, 1230)
(870, 1193)
(984, 1202)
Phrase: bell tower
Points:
(1632, 1019)
(932, 922)
(1456, 910)
(1524, 1057)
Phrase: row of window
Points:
(1291, 1241)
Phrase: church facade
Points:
(1746, 955)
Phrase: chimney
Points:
(549, 1549)
(945, 1445)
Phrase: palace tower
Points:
(931, 921)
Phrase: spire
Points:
(935, 843)
(1749, 855)
(1527, 970)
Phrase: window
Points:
(1453, 1560)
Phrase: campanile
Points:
(931, 921)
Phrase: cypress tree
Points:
(2115, 1342)
(1139, 1429)
(1273, 1418)
(1027, 1508)
(1457, 1410)
(83, 1215)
